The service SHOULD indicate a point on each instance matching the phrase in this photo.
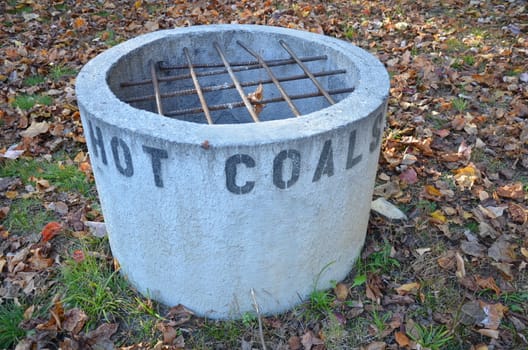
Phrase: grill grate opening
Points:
(242, 84)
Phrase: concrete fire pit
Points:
(232, 158)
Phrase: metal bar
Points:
(241, 92)
(253, 65)
(231, 86)
(281, 61)
(308, 73)
(265, 101)
(156, 88)
(273, 78)
(198, 88)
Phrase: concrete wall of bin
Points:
(201, 214)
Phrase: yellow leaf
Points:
(433, 191)
(408, 288)
(438, 216)
(138, 4)
(524, 252)
(11, 194)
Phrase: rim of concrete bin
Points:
(371, 90)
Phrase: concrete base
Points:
(201, 214)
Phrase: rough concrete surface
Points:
(280, 207)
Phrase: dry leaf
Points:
(461, 270)
(36, 128)
(467, 176)
(294, 343)
(341, 291)
(488, 283)
(402, 339)
(309, 339)
(50, 230)
(513, 191)
(408, 288)
(377, 345)
(74, 320)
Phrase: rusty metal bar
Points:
(308, 73)
(251, 66)
(264, 101)
(273, 78)
(241, 92)
(198, 88)
(275, 62)
(231, 86)
(155, 84)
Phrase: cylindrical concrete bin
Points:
(202, 214)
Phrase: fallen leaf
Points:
(473, 248)
(50, 230)
(78, 255)
(36, 128)
(408, 288)
(74, 320)
(461, 270)
(178, 315)
(513, 191)
(169, 333)
(502, 251)
(79, 22)
(488, 283)
(432, 191)
(518, 213)
(12, 152)
(341, 291)
(467, 176)
(402, 339)
(409, 176)
(38, 261)
(377, 345)
(294, 343)
(438, 217)
(494, 314)
(309, 339)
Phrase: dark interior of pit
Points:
(131, 77)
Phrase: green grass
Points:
(10, 317)
(34, 80)
(380, 322)
(27, 216)
(432, 337)
(94, 287)
(460, 104)
(26, 102)
(60, 71)
(67, 178)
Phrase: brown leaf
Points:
(374, 287)
(461, 270)
(309, 339)
(38, 261)
(341, 291)
(36, 128)
(377, 345)
(473, 248)
(55, 321)
(50, 230)
(488, 283)
(294, 343)
(74, 320)
(502, 251)
(402, 339)
(101, 335)
(169, 333)
(178, 315)
(513, 191)
(518, 213)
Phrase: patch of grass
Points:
(19, 7)
(320, 302)
(226, 332)
(380, 321)
(93, 286)
(27, 216)
(454, 45)
(460, 104)
(26, 102)
(350, 32)
(60, 71)
(10, 317)
(66, 177)
(34, 80)
(335, 334)
(473, 226)
(432, 337)
(516, 301)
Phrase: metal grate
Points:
(195, 71)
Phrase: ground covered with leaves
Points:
(444, 263)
